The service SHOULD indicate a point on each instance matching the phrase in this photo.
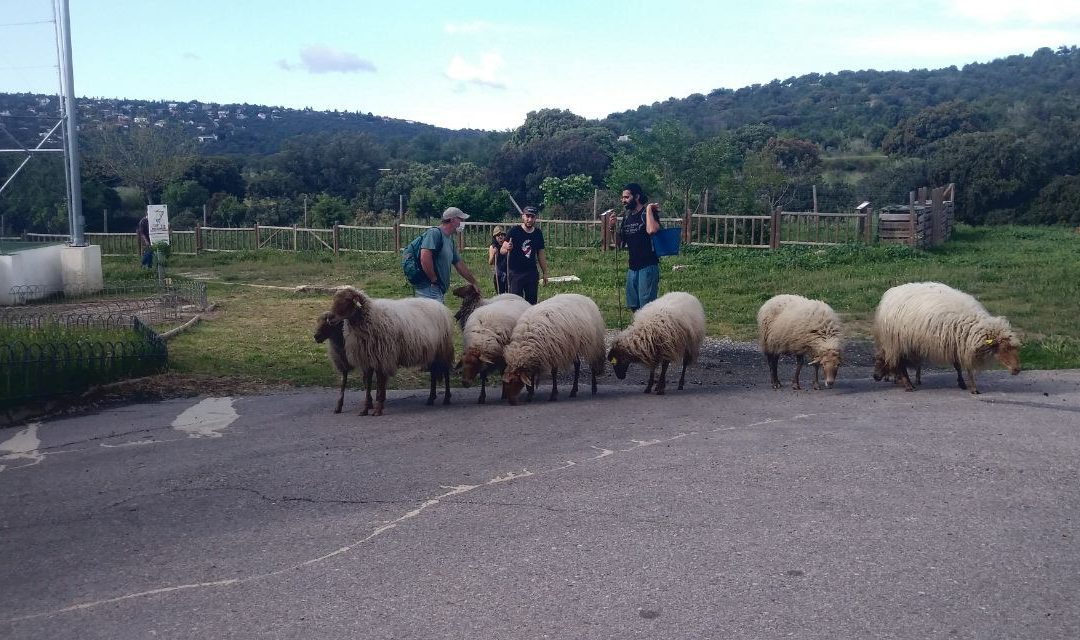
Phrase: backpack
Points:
(410, 260)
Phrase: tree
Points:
(912, 135)
(995, 171)
(329, 210)
(147, 158)
(560, 193)
(1057, 203)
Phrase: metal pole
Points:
(105, 219)
(204, 215)
(71, 140)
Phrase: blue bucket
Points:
(666, 242)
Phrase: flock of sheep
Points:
(914, 323)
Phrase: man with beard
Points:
(640, 222)
(524, 248)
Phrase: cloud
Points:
(476, 26)
(484, 75)
(323, 59)
(188, 55)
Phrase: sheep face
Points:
(880, 368)
(1006, 350)
(620, 361)
(470, 300)
(830, 363)
(472, 365)
(514, 382)
(326, 327)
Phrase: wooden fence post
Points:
(913, 218)
(337, 246)
(397, 236)
(294, 238)
(258, 240)
(198, 239)
(774, 229)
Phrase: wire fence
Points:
(64, 358)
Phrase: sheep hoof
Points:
(976, 392)
(817, 387)
(430, 401)
(446, 399)
(660, 392)
(796, 387)
(776, 385)
(573, 394)
(364, 412)
(337, 410)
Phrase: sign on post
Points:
(158, 215)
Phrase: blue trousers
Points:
(641, 286)
(431, 291)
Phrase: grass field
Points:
(1031, 275)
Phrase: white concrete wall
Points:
(73, 270)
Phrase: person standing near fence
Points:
(497, 260)
(143, 232)
(640, 222)
(524, 249)
(438, 253)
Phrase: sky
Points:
(486, 64)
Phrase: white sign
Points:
(158, 215)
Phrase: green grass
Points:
(1030, 275)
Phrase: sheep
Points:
(486, 333)
(326, 328)
(563, 329)
(791, 324)
(381, 335)
(931, 321)
(665, 330)
(471, 300)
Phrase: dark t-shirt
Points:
(638, 242)
(522, 256)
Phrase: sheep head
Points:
(326, 327)
(829, 361)
(348, 304)
(619, 359)
(881, 369)
(470, 300)
(472, 365)
(513, 382)
(1005, 347)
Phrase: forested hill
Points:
(828, 108)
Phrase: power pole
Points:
(71, 133)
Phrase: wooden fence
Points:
(927, 221)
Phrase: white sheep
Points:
(329, 329)
(931, 321)
(791, 324)
(382, 335)
(666, 330)
(487, 331)
(551, 335)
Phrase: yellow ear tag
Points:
(989, 341)
(614, 360)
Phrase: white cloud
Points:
(484, 74)
(1028, 12)
(323, 59)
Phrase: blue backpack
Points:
(410, 260)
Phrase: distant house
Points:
(141, 120)
(208, 138)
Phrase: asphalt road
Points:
(724, 511)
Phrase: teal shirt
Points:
(445, 258)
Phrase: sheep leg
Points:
(682, 376)
(483, 389)
(817, 387)
(368, 403)
(380, 396)
(446, 384)
(577, 371)
(434, 385)
(649, 384)
(529, 389)
(661, 385)
(341, 392)
(554, 385)
(593, 371)
(959, 376)
(902, 375)
(799, 360)
(971, 377)
(773, 359)
(918, 375)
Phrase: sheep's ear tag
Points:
(614, 361)
(990, 342)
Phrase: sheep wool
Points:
(551, 335)
(793, 325)
(487, 332)
(668, 329)
(931, 321)
(382, 335)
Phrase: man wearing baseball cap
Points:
(524, 249)
(438, 252)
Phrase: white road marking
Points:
(206, 419)
(23, 445)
